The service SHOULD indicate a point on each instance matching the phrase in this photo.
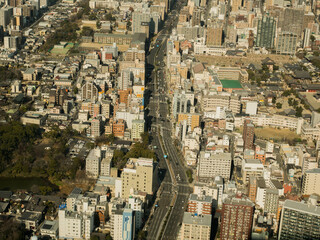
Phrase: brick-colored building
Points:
(200, 204)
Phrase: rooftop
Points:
(191, 218)
(302, 207)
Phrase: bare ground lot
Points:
(269, 133)
(242, 61)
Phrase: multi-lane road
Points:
(166, 219)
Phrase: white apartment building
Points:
(93, 163)
(214, 164)
(262, 120)
(137, 129)
(136, 204)
(251, 167)
(75, 225)
(139, 174)
(195, 225)
(310, 183)
(105, 166)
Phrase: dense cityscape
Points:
(159, 120)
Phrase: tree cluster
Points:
(67, 32)
(139, 149)
(7, 73)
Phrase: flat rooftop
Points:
(191, 218)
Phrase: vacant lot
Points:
(269, 133)
(242, 61)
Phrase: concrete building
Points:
(89, 91)
(5, 14)
(105, 166)
(136, 204)
(251, 167)
(251, 107)
(75, 225)
(200, 204)
(139, 174)
(310, 182)
(299, 221)
(212, 165)
(266, 32)
(93, 163)
(137, 129)
(271, 202)
(252, 188)
(11, 42)
(248, 134)
(214, 36)
(286, 43)
(96, 127)
(195, 226)
(236, 219)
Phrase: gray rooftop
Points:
(195, 197)
(302, 207)
(191, 218)
(315, 170)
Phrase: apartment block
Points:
(214, 164)
(236, 219)
(200, 204)
(310, 182)
(195, 226)
(139, 174)
(299, 221)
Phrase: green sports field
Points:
(231, 84)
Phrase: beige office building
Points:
(310, 184)
(139, 175)
(195, 226)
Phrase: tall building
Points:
(286, 43)
(236, 219)
(271, 201)
(200, 204)
(310, 183)
(138, 20)
(299, 221)
(93, 163)
(11, 42)
(128, 227)
(214, 36)
(89, 91)
(137, 129)
(5, 14)
(252, 188)
(248, 134)
(139, 174)
(266, 32)
(96, 127)
(195, 226)
(213, 165)
(122, 223)
(306, 38)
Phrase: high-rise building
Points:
(271, 201)
(93, 163)
(200, 204)
(137, 129)
(252, 188)
(299, 221)
(11, 42)
(195, 226)
(136, 204)
(89, 91)
(236, 219)
(213, 165)
(105, 166)
(128, 227)
(306, 38)
(125, 80)
(214, 36)
(96, 127)
(138, 20)
(139, 174)
(266, 32)
(248, 134)
(5, 15)
(310, 183)
(286, 43)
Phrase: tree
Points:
(290, 101)
(109, 17)
(295, 103)
(142, 235)
(279, 105)
(286, 93)
(273, 100)
(312, 38)
(299, 111)
(87, 31)
(108, 237)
